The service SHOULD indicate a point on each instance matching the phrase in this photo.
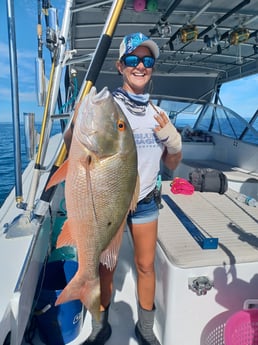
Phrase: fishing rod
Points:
(102, 47)
(40, 63)
(226, 35)
(165, 16)
(15, 103)
(174, 36)
(223, 18)
(213, 25)
(51, 98)
(90, 79)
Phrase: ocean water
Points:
(7, 175)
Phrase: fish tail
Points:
(88, 291)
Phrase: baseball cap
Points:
(132, 41)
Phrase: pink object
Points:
(139, 5)
(242, 328)
(181, 186)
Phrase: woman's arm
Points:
(171, 160)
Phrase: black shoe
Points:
(144, 327)
(99, 338)
(101, 330)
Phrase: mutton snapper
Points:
(101, 187)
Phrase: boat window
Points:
(212, 118)
(240, 96)
(224, 121)
(181, 114)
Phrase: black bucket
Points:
(58, 325)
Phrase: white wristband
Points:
(170, 137)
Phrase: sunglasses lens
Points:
(148, 61)
(133, 61)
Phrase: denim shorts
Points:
(144, 212)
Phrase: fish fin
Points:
(87, 291)
(110, 255)
(58, 176)
(65, 238)
(135, 197)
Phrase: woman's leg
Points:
(101, 329)
(106, 285)
(145, 238)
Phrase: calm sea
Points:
(7, 176)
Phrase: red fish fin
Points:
(88, 291)
(59, 175)
(65, 238)
(135, 195)
(110, 255)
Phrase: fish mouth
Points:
(100, 96)
(86, 130)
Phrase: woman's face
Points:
(136, 78)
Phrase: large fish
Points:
(101, 187)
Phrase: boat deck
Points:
(216, 216)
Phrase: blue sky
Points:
(26, 44)
(241, 96)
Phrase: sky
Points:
(241, 96)
(26, 43)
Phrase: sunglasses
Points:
(134, 60)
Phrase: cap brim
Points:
(152, 46)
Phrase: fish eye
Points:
(121, 125)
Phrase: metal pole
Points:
(15, 102)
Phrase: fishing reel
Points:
(213, 41)
(52, 29)
(239, 35)
(164, 29)
(188, 33)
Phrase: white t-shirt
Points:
(149, 149)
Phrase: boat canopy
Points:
(202, 43)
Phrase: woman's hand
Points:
(167, 133)
(162, 120)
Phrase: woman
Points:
(155, 138)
